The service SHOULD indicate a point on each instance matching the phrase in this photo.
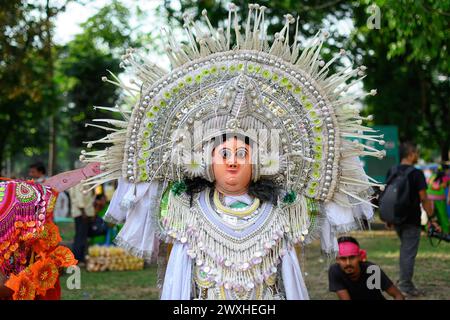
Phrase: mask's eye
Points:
(225, 153)
(241, 153)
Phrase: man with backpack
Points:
(400, 207)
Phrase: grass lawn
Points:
(432, 271)
(113, 285)
(110, 285)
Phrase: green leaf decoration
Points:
(290, 197)
(179, 187)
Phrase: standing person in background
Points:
(100, 204)
(36, 172)
(437, 184)
(447, 191)
(409, 230)
(62, 206)
(83, 213)
(100, 207)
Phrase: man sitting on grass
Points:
(354, 278)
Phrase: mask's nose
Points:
(232, 165)
(232, 161)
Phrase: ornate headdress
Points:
(232, 81)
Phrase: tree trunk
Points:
(52, 125)
(52, 147)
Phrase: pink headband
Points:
(351, 249)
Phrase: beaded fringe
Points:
(242, 262)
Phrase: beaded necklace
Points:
(242, 212)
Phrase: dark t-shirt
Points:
(417, 182)
(359, 289)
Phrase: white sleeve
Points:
(139, 232)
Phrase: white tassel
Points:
(129, 198)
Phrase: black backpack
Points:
(395, 201)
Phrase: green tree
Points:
(407, 59)
(29, 97)
(27, 94)
(47, 92)
(83, 62)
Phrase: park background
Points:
(54, 54)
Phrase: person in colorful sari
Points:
(437, 184)
(30, 254)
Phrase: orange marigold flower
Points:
(50, 234)
(4, 245)
(31, 224)
(63, 257)
(39, 246)
(18, 224)
(23, 287)
(26, 235)
(47, 239)
(45, 273)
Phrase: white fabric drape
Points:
(139, 233)
(294, 284)
(117, 213)
(340, 219)
(177, 281)
(328, 241)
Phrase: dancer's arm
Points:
(68, 179)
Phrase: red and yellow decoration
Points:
(29, 251)
(42, 272)
(23, 287)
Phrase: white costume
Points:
(299, 121)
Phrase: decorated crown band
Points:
(232, 81)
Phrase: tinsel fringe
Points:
(250, 259)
